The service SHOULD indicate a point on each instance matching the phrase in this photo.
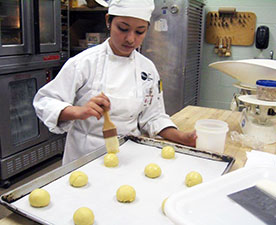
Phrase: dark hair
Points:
(111, 17)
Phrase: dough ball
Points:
(126, 193)
(163, 205)
(193, 178)
(152, 170)
(111, 160)
(78, 179)
(83, 216)
(39, 198)
(168, 152)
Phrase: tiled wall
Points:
(216, 88)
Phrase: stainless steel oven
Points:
(30, 53)
(29, 26)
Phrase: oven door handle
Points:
(36, 26)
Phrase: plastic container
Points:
(266, 90)
(208, 204)
(211, 135)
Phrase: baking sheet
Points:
(100, 193)
(210, 200)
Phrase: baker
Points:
(74, 101)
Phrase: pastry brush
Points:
(110, 134)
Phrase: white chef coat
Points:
(131, 83)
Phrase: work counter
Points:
(185, 120)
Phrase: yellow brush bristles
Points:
(112, 144)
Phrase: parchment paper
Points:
(100, 192)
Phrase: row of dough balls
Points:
(84, 215)
(111, 159)
(125, 193)
(193, 178)
(41, 198)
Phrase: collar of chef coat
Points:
(110, 53)
(120, 75)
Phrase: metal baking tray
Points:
(12, 196)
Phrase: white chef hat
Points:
(140, 9)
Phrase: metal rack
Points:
(65, 28)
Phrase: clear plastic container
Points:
(266, 90)
(211, 135)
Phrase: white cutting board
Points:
(100, 193)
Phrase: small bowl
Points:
(266, 90)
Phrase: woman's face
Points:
(126, 34)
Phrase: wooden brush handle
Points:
(107, 122)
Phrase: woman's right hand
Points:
(94, 107)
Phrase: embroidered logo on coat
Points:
(146, 76)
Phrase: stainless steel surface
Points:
(25, 140)
(50, 26)
(22, 129)
(30, 55)
(19, 13)
(18, 63)
(258, 202)
(21, 26)
(23, 160)
(174, 44)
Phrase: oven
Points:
(30, 56)
(29, 26)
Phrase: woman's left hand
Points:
(189, 138)
(175, 135)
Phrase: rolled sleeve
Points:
(58, 94)
(48, 110)
(154, 127)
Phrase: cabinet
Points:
(85, 21)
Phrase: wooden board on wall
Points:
(239, 26)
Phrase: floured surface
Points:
(100, 192)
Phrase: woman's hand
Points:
(94, 107)
(189, 138)
(184, 138)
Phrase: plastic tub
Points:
(211, 134)
(266, 90)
